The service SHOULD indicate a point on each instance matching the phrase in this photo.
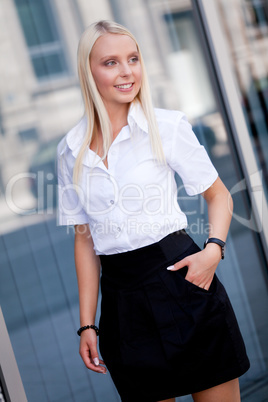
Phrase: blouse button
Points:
(119, 229)
(111, 201)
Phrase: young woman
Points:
(167, 327)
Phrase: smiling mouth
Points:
(125, 86)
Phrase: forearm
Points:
(220, 208)
(219, 216)
(87, 265)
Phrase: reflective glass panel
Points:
(245, 25)
(38, 289)
(41, 34)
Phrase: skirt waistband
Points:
(130, 267)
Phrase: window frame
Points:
(55, 47)
(206, 14)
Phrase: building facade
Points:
(208, 59)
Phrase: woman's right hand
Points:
(89, 353)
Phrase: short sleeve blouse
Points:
(134, 202)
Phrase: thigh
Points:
(226, 392)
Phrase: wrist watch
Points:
(217, 241)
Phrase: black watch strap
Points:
(217, 241)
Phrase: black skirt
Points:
(160, 335)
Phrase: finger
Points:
(171, 268)
(94, 355)
(97, 361)
(89, 355)
(178, 265)
(84, 353)
(207, 285)
(89, 363)
(201, 285)
(97, 369)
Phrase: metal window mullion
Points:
(211, 24)
(45, 49)
(8, 367)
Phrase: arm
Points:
(87, 265)
(220, 209)
(202, 265)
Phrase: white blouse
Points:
(133, 203)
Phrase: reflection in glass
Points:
(42, 37)
(38, 291)
(246, 28)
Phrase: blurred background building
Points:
(208, 59)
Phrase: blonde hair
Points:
(94, 106)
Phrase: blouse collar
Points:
(75, 136)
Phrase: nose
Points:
(125, 70)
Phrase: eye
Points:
(110, 63)
(134, 59)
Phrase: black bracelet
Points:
(87, 327)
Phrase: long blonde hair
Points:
(94, 106)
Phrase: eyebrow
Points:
(136, 53)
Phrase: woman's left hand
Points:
(201, 266)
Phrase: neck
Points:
(118, 117)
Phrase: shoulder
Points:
(73, 138)
(62, 145)
(171, 123)
(166, 116)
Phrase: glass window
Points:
(30, 134)
(38, 288)
(248, 49)
(48, 65)
(190, 78)
(2, 395)
(42, 38)
(185, 56)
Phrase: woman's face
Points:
(116, 69)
